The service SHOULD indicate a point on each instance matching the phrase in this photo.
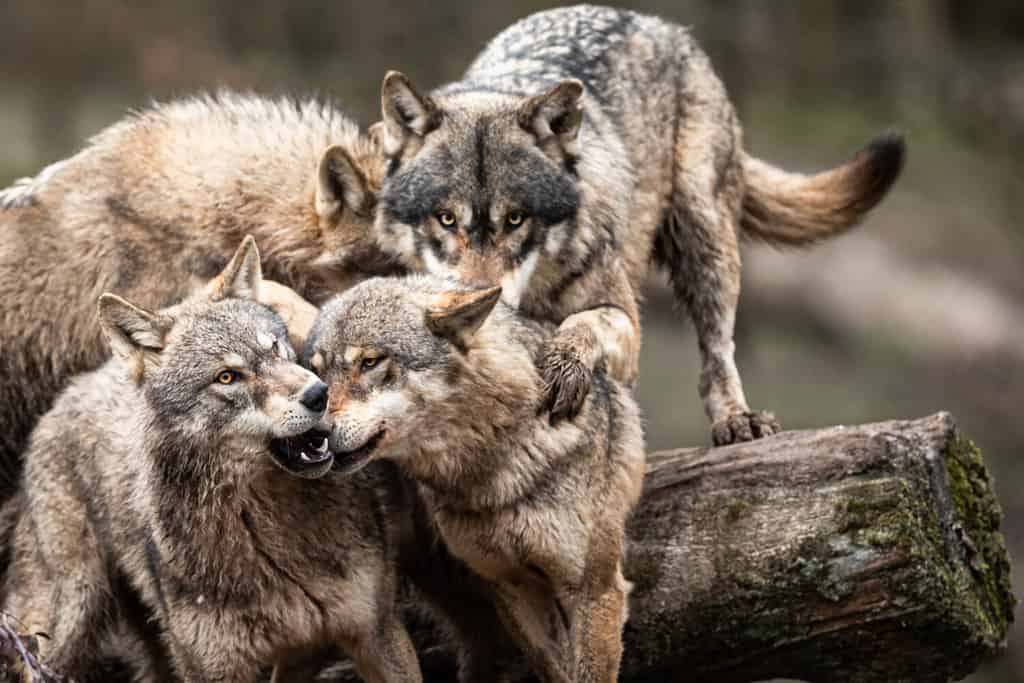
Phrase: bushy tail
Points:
(796, 209)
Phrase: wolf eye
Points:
(369, 363)
(446, 218)
(227, 376)
(515, 218)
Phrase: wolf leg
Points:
(70, 605)
(528, 619)
(700, 245)
(298, 670)
(597, 631)
(386, 656)
(605, 332)
(458, 600)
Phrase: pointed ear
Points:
(131, 330)
(406, 112)
(556, 115)
(241, 278)
(458, 315)
(340, 184)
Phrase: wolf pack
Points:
(224, 461)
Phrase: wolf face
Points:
(219, 369)
(387, 351)
(480, 188)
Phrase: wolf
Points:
(188, 475)
(153, 207)
(581, 145)
(442, 380)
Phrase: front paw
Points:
(744, 427)
(566, 383)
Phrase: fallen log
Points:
(857, 554)
(862, 554)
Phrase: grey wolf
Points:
(581, 145)
(442, 380)
(188, 475)
(152, 208)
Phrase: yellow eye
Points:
(446, 218)
(227, 376)
(515, 218)
(370, 363)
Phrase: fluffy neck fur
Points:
(491, 462)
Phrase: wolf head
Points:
(218, 374)
(480, 185)
(408, 357)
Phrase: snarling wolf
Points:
(152, 208)
(581, 145)
(443, 381)
(188, 476)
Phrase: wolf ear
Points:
(131, 331)
(406, 112)
(556, 115)
(339, 184)
(241, 278)
(458, 315)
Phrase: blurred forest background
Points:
(919, 310)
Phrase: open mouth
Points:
(306, 454)
(350, 461)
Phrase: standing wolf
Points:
(182, 472)
(425, 373)
(153, 207)
(503, 178)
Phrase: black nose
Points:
(315, 397)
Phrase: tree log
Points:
(857, 554)
(862, 554)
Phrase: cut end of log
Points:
(975, 530)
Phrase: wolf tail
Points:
(794, 209)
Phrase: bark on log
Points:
(862, 554)
(858, 554)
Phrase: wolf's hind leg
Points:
(700, 245)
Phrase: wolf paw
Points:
(566, 383)
(744, 427)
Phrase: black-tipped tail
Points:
(791, 208)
